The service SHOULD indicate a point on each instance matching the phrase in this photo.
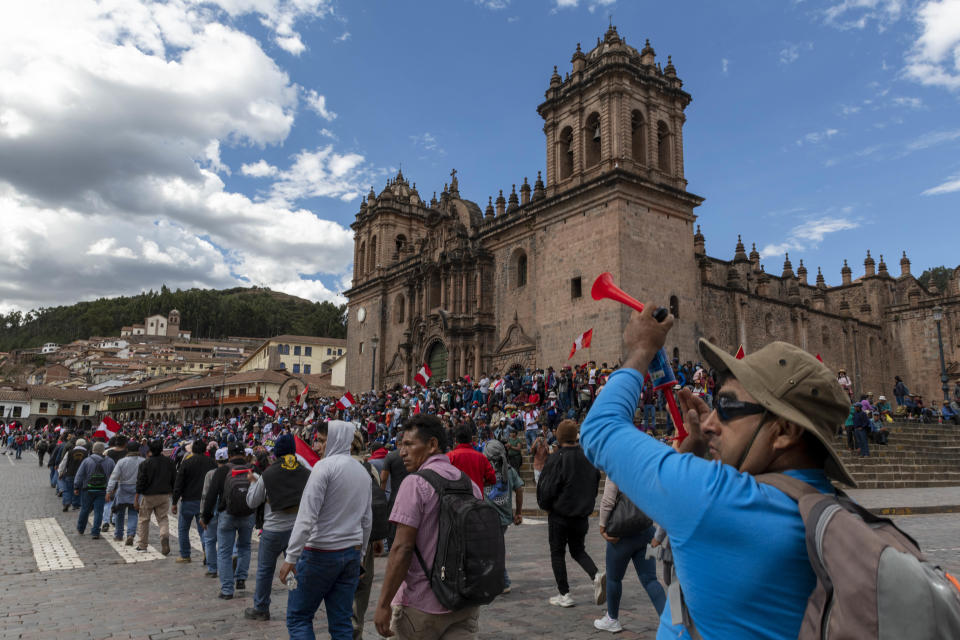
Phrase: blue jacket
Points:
(87, 467)
(739, 546)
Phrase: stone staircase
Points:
(919, 455)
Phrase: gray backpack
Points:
(872, 579)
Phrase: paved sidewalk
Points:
(909, 501)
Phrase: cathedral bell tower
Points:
(616, 109)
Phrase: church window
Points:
(638, 141)
(566, 153)
(675, 307)
(435, 289)
(399, 309)
(373, 254)
(576, 287)
(361, 348)
(592, 139)
(663, 146)
(361, 259)
(401, 243)
(521, 269)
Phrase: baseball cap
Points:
(794, 385)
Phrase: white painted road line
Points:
(10, 460)
(51, 548)
(195, 541)
(130, 554)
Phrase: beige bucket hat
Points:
(794, 385)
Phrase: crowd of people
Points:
(329, 488)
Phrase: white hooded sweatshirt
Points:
(335, 510)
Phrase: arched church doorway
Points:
(437, 360)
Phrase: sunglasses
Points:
(729, 409)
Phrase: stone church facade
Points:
(468, 290)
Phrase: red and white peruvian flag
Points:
(301, 399)
(423, 375)
(270, 407)
(107, 429)
(416, 407)
(307, 456)
(498, 384)
(346, 401)
(582, 342)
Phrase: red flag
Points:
(107, 429)
(270, 407)
(307, 456)
(819, 358)
(423, 375)
(582, 342)
(741, 353)
(303, 395)
(467, 378)
(416, 407)
(346, 401)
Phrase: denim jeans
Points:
(619, 556)
(503, 533)
(124, 514)
(210, 543)
(68, 498)
(91, 500)
(229, 529)
(531, 435)
(649, 417)
(189, 514)
(330, 577)
(54, 477)
(860, 436)
(272, 544)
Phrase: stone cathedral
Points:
(469, 289)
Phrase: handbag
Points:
(626, 519)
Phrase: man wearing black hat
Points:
(233, 524)
(278, 490)
(187, 490)
(738, 545)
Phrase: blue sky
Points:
(228, 142)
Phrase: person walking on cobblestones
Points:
(567, 492)
(234, 525)
(154, 488)
(56, 456)
(122, 490)
(187, 489)
(210, 528)
(278, 491)
(90, 484)
(72, 457)
(329, 539)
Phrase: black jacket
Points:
(155, 476)
(568, 484)
(215, 501)
(189, 483)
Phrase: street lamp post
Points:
(944, 381)
(374, 341)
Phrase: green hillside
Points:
(208, 313)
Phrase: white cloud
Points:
(326, 133)
(950, 186)
(849, 110)
(496, 5)
(112, 124)
(857, 14)
(259, 169)
(592, 5)
(811, 232)
(428, 142)
(724, 65)
(816, 137)
(318, 104)
(909, 103)
(934, 59)
(933, 139)
(291, 44)
(343, 37)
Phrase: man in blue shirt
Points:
(738, 545)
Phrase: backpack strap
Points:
(441, 486)
(793, 487)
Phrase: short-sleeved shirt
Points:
(418, 506)
(500, 494)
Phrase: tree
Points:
(940, 276)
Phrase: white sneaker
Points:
(606, 623)
(600, 588)
(565, 600)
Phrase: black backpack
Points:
(469, 564)
(235, 489)
(98, 478)
(381, 511)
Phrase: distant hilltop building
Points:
(158, 325)
(514, 279)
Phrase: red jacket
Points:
(474, 464)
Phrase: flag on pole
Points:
(467, 378)
(107, 429)
(270, 407)
(741, 353)
(497, 384)
(346, 401)
(423, 375)
(416, 407)
(582, 342)
(303, 395)
(307, 456)
(819, 358)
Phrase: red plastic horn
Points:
(603, 287)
